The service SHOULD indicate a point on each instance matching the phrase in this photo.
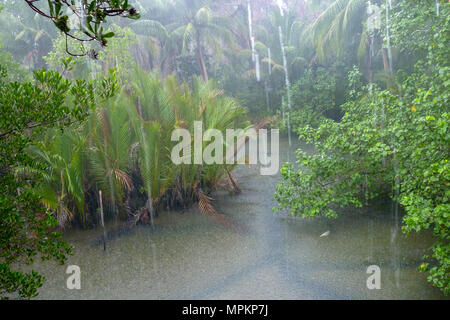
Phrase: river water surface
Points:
(189, 256)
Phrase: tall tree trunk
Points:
(165, 67)
(387, 70)
(201, 59)
(369, 70)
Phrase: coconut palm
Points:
(192, 28)
(294, 46)
(164, 42)
(25, 34)
(343, 22)
(336, 26)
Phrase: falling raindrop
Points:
(288, 89)
(250, 28)
(373, 22)
(388, 35)
(258, 71)
(266, 90)
(280, 6)
(155, 264)
(252, 40)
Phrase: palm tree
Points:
(207, 104)
(335, 26)
(25, 34)
(152, 120)
(124, 149)
(193, 27)
(168, 40)
(63, 189)
(109, 150)
(291, 27)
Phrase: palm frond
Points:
(151, 28)
(188, 37)
(204, 203)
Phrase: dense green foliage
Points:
(124, 149)
(29, 108)
(116, 55)
(26, 228)
(389, 142)
(373, 100)
(315, 97)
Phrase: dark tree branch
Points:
(92, 15)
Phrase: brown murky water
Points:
(189, 256)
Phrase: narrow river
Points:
(189, 256)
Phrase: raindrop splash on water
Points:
(155, 265)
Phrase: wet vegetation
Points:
(124, 149)
(91, 92)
